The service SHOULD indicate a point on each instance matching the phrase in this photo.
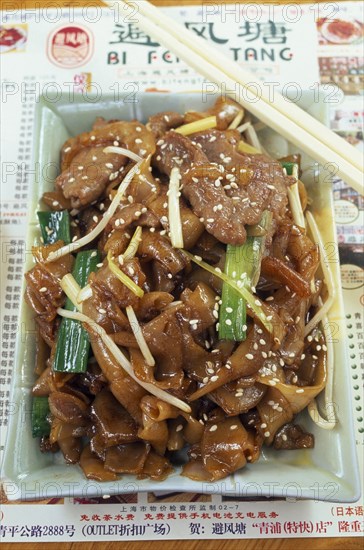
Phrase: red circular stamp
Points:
(70, 46)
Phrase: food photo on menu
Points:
(183, 263)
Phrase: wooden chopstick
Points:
(243, 77)
(264, 111)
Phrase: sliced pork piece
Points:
(88, 175)
(177, 151)
(130, 135)
(162, 122)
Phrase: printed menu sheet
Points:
(94, 51)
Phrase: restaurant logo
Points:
(70, 47)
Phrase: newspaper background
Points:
(118, 58)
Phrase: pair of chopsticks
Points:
(334, 153)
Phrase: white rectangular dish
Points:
(327, 472)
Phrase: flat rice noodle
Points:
(195, 469)
(175, 438)
(42, 351)
(68, 408)
(161, 281)
(102, 300)
(277, 270)
(162, 375)
(144, 187)
(126, 459)
(123, 387)
(48, 330)
(299, 397)
(305, 254)
(71, 448)
(156, 247)
(50, 381)
(113, 423)
(196, 360)
(60, 267)
(151, 304)
(160, 410)
(192, 228)
(293, 344)
(163, 336)
(44, 303)
(238, 365)
(275, 411)
(225, 110)
(155, 433)
(280, 240)
(114, 290)
(125, 339)
(224, 448)
(200, 303)
(232, 405)
(117, 243)
(93, 467)
(61, 430)
(156, 467)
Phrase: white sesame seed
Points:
(179, 428)
(213, 428)
(272, 382)
(300, 390)
(249, 356)
(228, 322)
(43, 289)
(214, 378)
(102, 311)
(95, 219)
(263, 342)
(234, 427)
(205, 380)
(94, 254)
(74, 238)
(267, 434)
(284, 437)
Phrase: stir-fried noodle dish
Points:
(180, 291)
